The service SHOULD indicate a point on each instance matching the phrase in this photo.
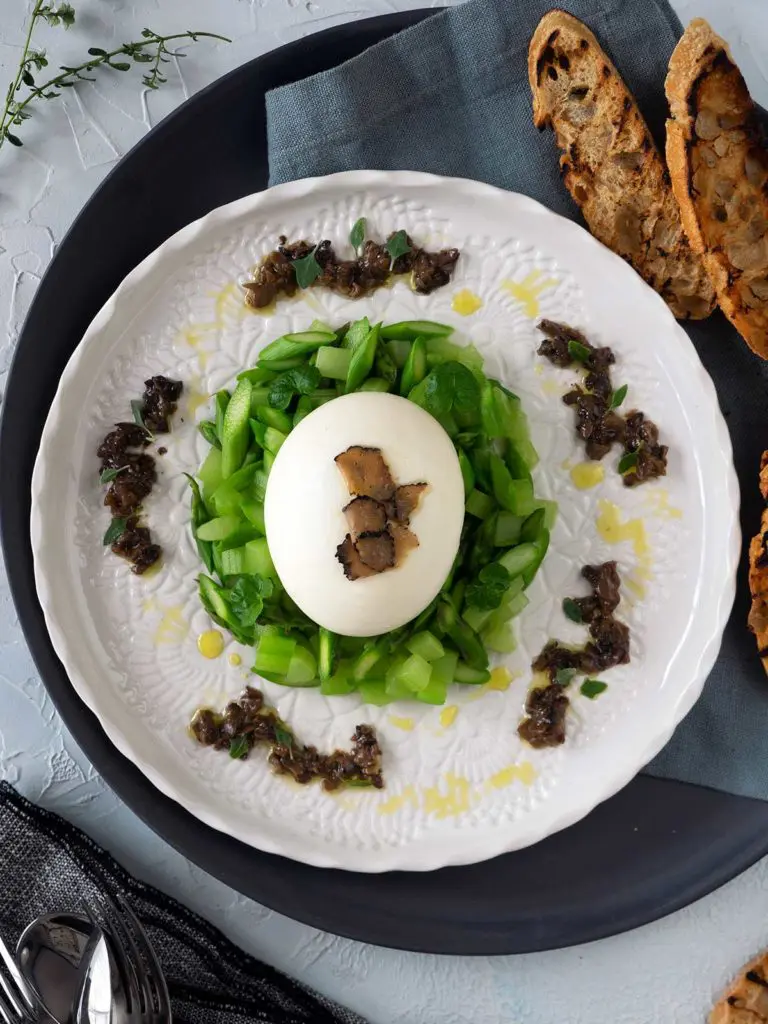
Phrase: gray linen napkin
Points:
(451, 96)
(49, 864)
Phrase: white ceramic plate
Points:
(461, 786)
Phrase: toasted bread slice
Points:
(610, 163)
(719, 169)
(758, 573)
(746, 1001)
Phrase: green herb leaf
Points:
(115, 529)
(627, 462)
(358, 784)
(487, 591)
(108, 475)
(97, 51)
(578, 351)
(564, 676)
(572, 610)
(357, 234)
(307, 270)
(302, 380)
(397, 245)
(137, 409)
(208, 429)
(13, 139)
(593, 688)
(450, 386)
(618, 396)
(283, 736)
(27, 78)
(246, 598)
(119, 65)
(238, 747)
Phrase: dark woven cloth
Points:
(451, 96)
(47, 864)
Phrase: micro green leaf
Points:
(578, 351)
(572, 610)
(238, 748)
(487, 591)
(115, 529)
(564, 676)
(246, 598)
(208, 429)
(137, 410)
(627, 462)
(307, 270)
(618, 396)
(397, 245)
(302, 380)
(108, 475)
(283, 736)
(357, 234)
(451, 385)
(593, 688)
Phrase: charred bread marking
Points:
(746, 1001)
(758, 573)
(610, 163)
(719, 168)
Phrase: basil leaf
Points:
(397, 246)
(357, 234)
(238, 747)
(108, 475)
(627, 462)
(487, 591)
(572, 610)
(593, 688)
(564, 676)
(302, 380)
(307, 270)
(283, 736)
(618, 396)
(208, 429)
(578, 351)
(115, 529)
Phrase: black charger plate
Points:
(652, 849)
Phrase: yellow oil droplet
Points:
(465, 302)
(195, 400)
(527, 291)
(539, 681)
(658, 503)
(454, 801)
(148, 605)
(587, 474)
(614, 530)
(549, 386)
(538, 369)
(501, 678)
(172, 628)
(637, 588)
(235, 659)
(229, 300)
(406, 724)
(210, 643)
(523, 772)
(396, 803)
(448, 716)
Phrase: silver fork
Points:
(17, 1003)
(142, 998)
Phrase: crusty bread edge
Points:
(721, 1010)
(557, 19)
(686, 65)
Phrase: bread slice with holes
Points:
(719, 169)
(746, 1001)
(610, 163)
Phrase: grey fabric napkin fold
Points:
(49, 865)
(451, 96)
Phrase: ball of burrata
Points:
(307, 526)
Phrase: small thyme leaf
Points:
(357, 234)
(593, 688)
(238, 748)
(572, 611)
(627, 462)
(397, 246)
(115, 529)
(283, 736)
(307, 270)
(137, 409)
(564, 676)
(578, 351)
(108, 475)
(618, 396)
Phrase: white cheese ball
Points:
(305, 524)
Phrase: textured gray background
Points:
(666, 972)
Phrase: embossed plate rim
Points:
(398, 858)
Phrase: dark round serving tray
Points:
(653, 848)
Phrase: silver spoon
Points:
(53, 955)
(96, 1002)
